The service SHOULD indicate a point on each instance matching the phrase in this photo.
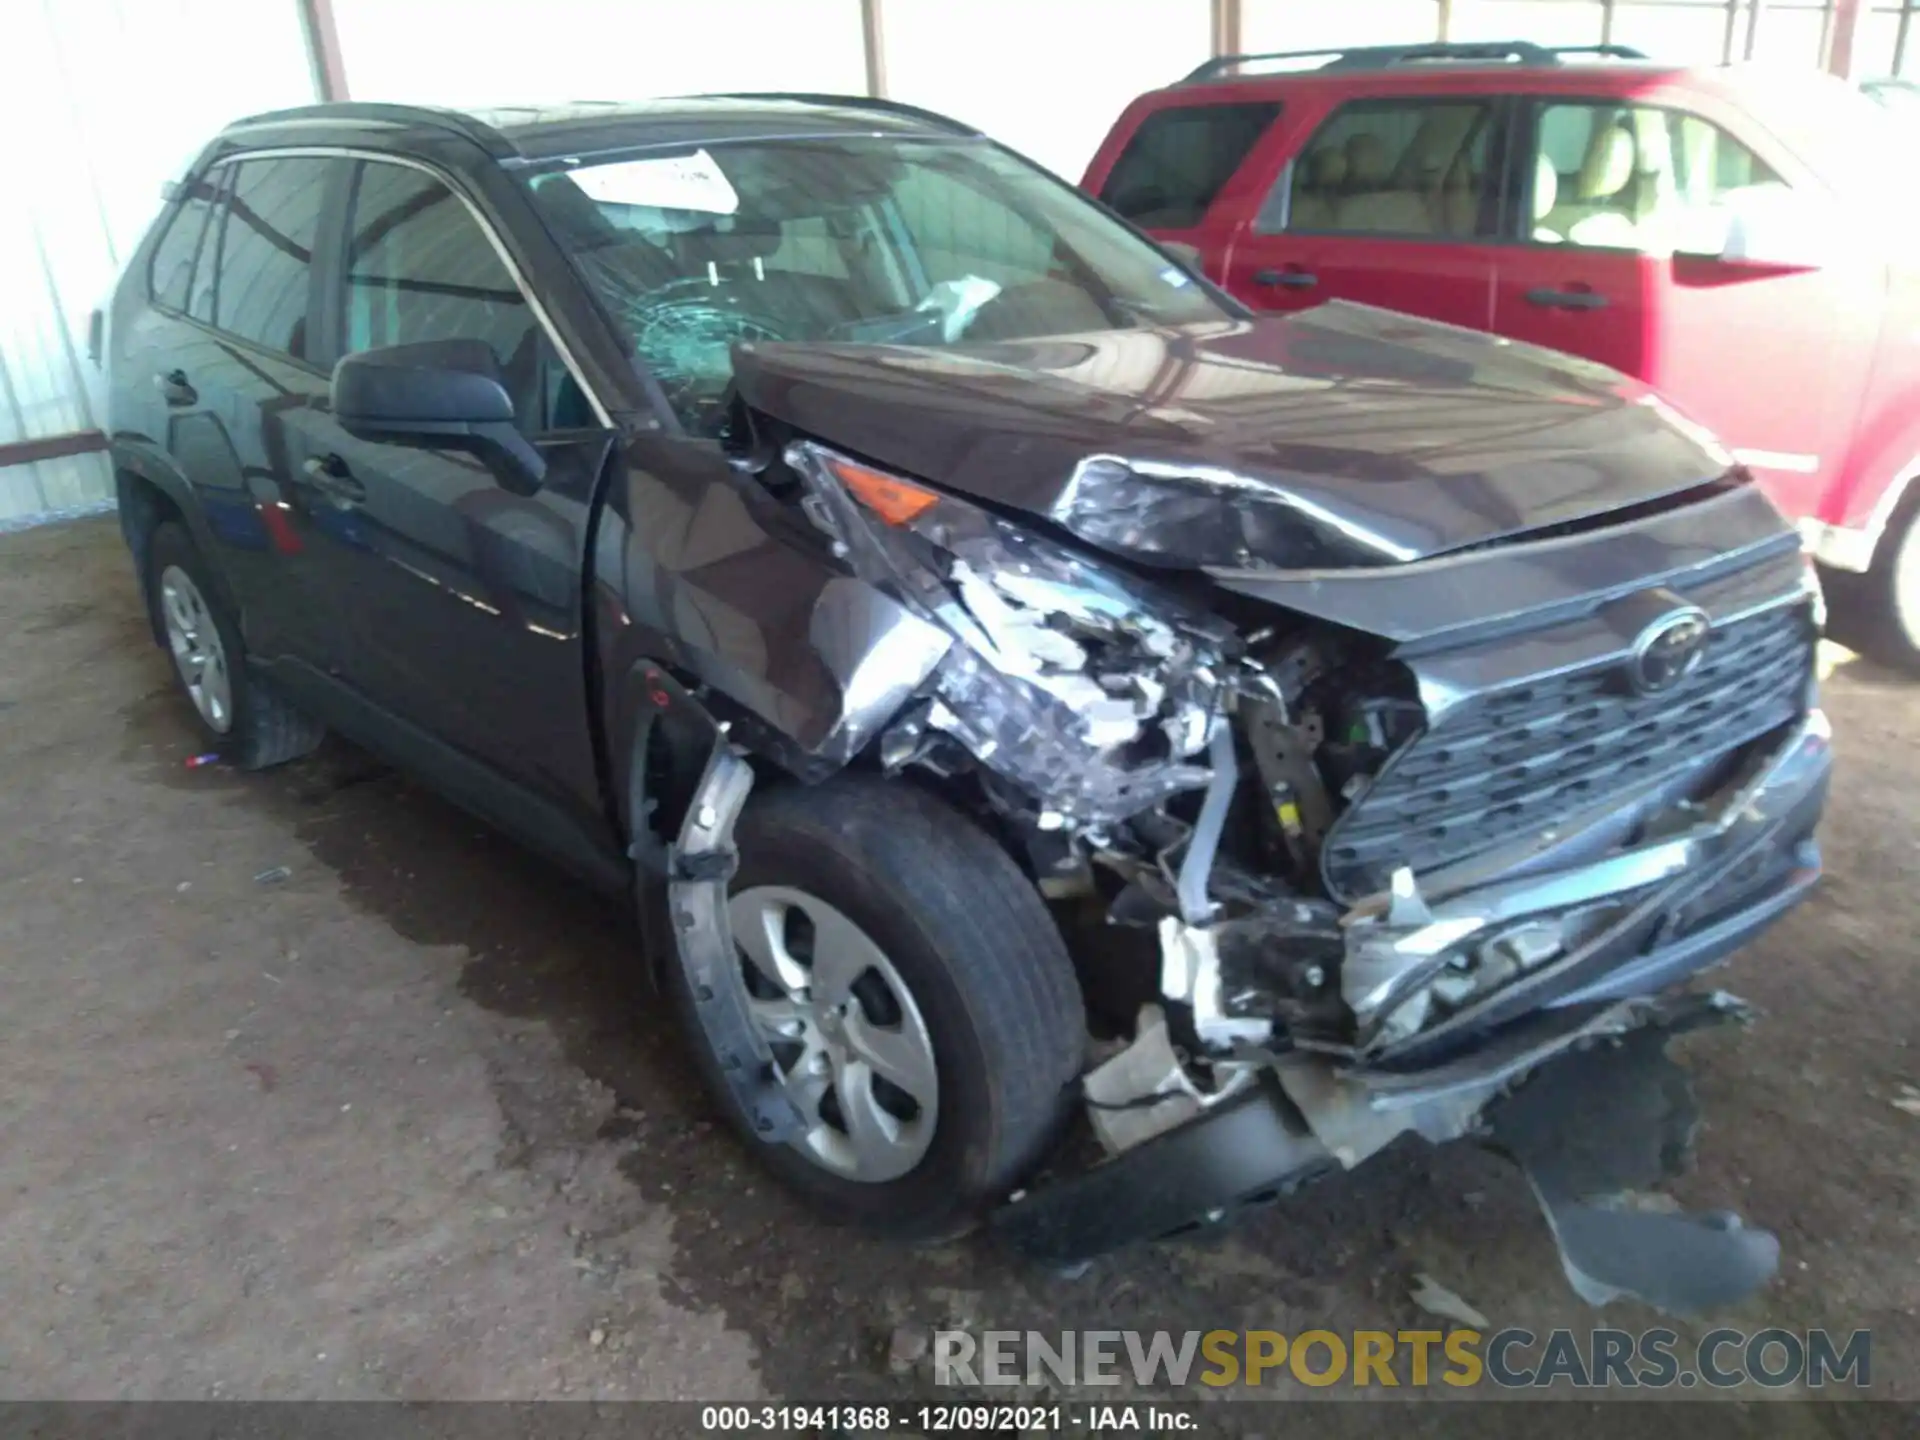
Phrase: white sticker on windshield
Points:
(674, 182)
(1175, 276)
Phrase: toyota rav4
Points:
(1013, 680)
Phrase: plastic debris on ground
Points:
(1436, 1299)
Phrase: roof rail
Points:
(851, 102)
(379, 113)
(1384, 57)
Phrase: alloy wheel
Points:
(199, 656)
(849, 1043)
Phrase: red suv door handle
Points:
(1292, 277)
(1566, 299)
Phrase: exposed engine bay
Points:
(1214, 785)
(1380, 711)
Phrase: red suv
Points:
(1731, 238)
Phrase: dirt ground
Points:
(407, 1124)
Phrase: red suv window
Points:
(1416, 166)
(1179, 158)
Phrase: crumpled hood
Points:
(1387, 438)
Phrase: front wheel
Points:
(917, 999)
(1878, 613)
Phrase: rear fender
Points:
(151, 490)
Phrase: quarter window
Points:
(266, 250)
(1641, 179)
(419, 267)
(1393, 167)
(179, 249)
(1179, 158)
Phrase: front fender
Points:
(669, 737)
(1861, 508)
(704, 579)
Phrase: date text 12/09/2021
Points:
(946, 1419)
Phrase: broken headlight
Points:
(1086, 688)
(1161, 513)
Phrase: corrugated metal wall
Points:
(494, 52)
(1045, 76)
(1697, 32)
(101, 101)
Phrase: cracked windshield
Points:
(870, 241)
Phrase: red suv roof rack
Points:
(1382, 57)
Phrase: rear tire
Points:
(240, 717)
(953, 948)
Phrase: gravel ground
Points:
(407, 1123)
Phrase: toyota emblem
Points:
(1667, 650)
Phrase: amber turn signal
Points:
(894, 500)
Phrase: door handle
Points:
(1566, 299)
(1292, 278)
(175, 389)
(329, 475)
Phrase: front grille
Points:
(1513, 763)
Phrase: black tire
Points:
(1878, 613)
(264, 729)
(970, 936)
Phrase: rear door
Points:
(1173, 172)
(226, 344)
(1625, 267)
(1393, 202)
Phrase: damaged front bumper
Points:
(1562, 1065)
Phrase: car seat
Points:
(1322, 176)
(1546, 190)
(1603, 202)
(1372, 205)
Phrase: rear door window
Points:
(1412, 168)
(1180, 157)
(273, 212)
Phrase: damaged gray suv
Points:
(1025, 694)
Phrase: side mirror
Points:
(1763, 226)
(437, 394)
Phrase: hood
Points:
(1384, 438)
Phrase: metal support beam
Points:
(1227, 29)
(323, 49)
(51, 447)
(1733, 26)
(1900, 37)
(1843, 27)
(1443, 22)
(1754, 11)
(1606, 22)
(873, 43)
